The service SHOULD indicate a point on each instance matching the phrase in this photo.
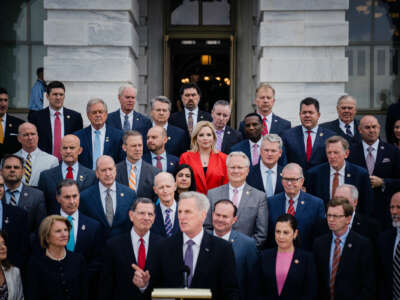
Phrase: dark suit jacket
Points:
(215, 268)
(318, 178)
(172, 161)
(231, 137)
(387, 166)
(278, 125)
(112, 145)
(49, 180)
(301, 280)
(90, 205)
(309, 211)
(146, 180)
(293, 140)
(255, 179)
(177, 141)
(10, 144)
(140, 122)
(158, 225)
(244, 146)
(386, 246)
(72, 123)
(117, 275)
(334, 126)
(355, 278)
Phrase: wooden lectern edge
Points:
(181, 293)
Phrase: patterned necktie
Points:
(190, 122)
(309, 145)
(158, 163)
(132, 179)
(235, 197)
(348, 130)
(255, 155)
(27, 169)
(219, 139)
(265, 130)
(71, 241)
(141, 255)
(335, 184)
(13, 198)
(127, 126)
(335, 266)
(96, 148)
(1, 131)
(168, 222)
(270, 188)
(189, 259)
(370, 160)
(290, 210)
(396, 273)
(57, 136)
(109, 207)
(70, 175)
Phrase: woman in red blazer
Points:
(207, 162)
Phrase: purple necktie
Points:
(189, 259)
(255, 155)
(370, 160)
(219, 139)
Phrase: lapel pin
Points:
(26, 194)
(83, 227)
(232, 240)
(171, 163)
(207, 250)
(122, 194)
(80, 177)
(228, 132)
(201, 117)
(296, 261)
(348, 175)
(382, 147)
(321, 134)
(10, 125)
(68, 117)
(169, 138)
(107, 139)
(247, 192)
(302, 202)
(350, 245)
(358, 223)
(137, 119)
(6, 220)
(275, 120)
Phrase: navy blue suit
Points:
(90, 204)
(112, 145)
(387, 166)
(318, 178)
(386, 246)
(177, 142)
(158, 225)
(41, 118)
(244, 146)
(301, 280)
(293, 139)
(334, 126)
(278, 125)
(231, 137)
(310, 210)
(49, 180)
(255, 179)
(172, 161)
(10, 144)
(140, 122)
(355, 277)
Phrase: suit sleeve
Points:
(41, 212)
(228, 278)
(261, 230)
(251, 269)
(368, 289)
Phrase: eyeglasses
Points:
(291, 180)
(334, 216)
(237, 168)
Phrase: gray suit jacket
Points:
(146, 179)
(32, 201)
(41, 162)
(252, 211)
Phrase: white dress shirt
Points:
(332, 173)
(64, 170)
(102, 137)
(165, 126)
(342, 126)
(295, 202)
(52, 119)
(225, 236)
(274, 175)
(171, 213)
(75, 221)
(240, 192)
(195, 247)
(313, 134)
(374, 152)
(195, 114)
(130, 118)
(103, 194)
(136, 242)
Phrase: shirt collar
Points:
(52, 111)
(75, 166)
(102, 129)
(137, 164)
(19, 188)
(240, 188)
(136, 237)
(343, 124)
(197, 239)
(313, 130)
(343, 237)
(74, 215)
(123, 114)
(295, 198)
(374, 145)
(267, 117)
(172, 207)
(154, 124)
(194, 111)
(264, 168)
(163, 155)
(103, 189)
(258, 143)
(33, 153)
(341, 171)
(225, 236)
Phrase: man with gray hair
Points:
(226, 135)
(250, 202)
(160, 111)
(98, 138)
(209, 261)
(126, 118)
(266, 175)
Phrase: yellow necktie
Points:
(1, 131)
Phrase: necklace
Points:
(55, 258)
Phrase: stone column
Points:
(92, 46)
(301, 53)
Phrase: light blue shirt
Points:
(64, 170)
(163, 160)
(36, 97)
(313, 134)
(138, 167)
(295, 202)
(342, 242)
(17, 193)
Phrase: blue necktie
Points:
(348, 130)
(96, 148)
(127, 126)
(270, 189)
(168, 223)
(71, 241)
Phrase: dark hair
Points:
(144, 201)
(8, 156)
(310, 101)
(38, 71)
(226, 201)
(287, 218)
(253, 114)
(5, 263)
(65, 183)
(3, 91)
(190, 85)
(55, 85)
(192, 186)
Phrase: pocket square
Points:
(386, 160)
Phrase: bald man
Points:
(166, 222)
(36, 160)
(69, 168)
(382, 160)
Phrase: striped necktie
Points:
(168, 223)
(13, 198)
(396, 273)
(132, 179)
(335, 267)
(27, 169)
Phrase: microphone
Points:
(186, 273)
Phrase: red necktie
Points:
(141, 255)
(335, 184)
(158, 164)
(335, 266)
(265, 131)
(290, 210)
(70, 175)
(309, 145)
(57, 136)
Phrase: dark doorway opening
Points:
(204, 61)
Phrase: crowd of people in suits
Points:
(133, 202)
